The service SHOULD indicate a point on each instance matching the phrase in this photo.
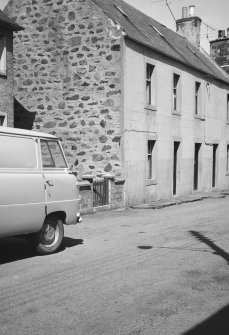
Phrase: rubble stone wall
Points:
(6, 81)
(67, 72)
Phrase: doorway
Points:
(175, 166)
(196, 166)
(214, 164)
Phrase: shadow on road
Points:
(217, 324)
(211, 244)
(14, 248)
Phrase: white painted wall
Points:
(141, 124)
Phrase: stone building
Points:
(7, 26)
(219, 49)
(133, 102)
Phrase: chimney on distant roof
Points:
(219, 50)
(189, 25)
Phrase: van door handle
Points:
(49, 182)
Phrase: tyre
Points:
(49, 238)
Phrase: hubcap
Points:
(49, 233)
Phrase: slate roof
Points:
(5, 21)
(141, 28)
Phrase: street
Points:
(132, 272)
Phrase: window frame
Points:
(176, 93)
(150, 85)
(151, 166)
(197, 98)
(3, 56)
(45, 140)
(5, 119)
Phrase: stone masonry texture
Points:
(220, 52)
(6, 81)
(67, 70)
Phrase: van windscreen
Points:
(17, 152)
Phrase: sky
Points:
(213, 13)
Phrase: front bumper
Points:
(78, 218)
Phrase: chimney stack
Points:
(219, 49)
(189, 25)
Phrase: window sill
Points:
(199, 117)
(151, 182)
(176, 112)
(151, 108)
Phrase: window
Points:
(151, 160)
(176, 92)
(52, 156)
(227, 108)
(2, 55)
(3, 120)
(17, 152)
(227, 163)
(197, 98)
(150, 85)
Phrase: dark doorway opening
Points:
(196, 166)
(214, 166)
(175, 169)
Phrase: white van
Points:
(38, 192)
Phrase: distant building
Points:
(133, 102)
(7, 27)
(219, 50)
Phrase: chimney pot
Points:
(184, 12)
(227, 32)
(220, 34)
(192, 10)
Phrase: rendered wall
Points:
(141, 124)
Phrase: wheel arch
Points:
(60, 214)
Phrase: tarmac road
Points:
(133, 272)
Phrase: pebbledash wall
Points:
(6, 81)
(67, 66)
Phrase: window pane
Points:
(57, 154)
(150, 85)
(176, 78)
(2, 55)
(52, 155)
(151, 168)
(47, 160)
(17, 152)
(2, 120)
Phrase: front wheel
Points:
(49, 238)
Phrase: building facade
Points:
(133, 102)
(7, 26)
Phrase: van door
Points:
(61, 190)
(22, 195)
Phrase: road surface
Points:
(133, 272)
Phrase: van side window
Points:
(17, 152)
(52, 156)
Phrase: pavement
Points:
(182, 199)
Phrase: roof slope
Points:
(141, 28)
(7, 22)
